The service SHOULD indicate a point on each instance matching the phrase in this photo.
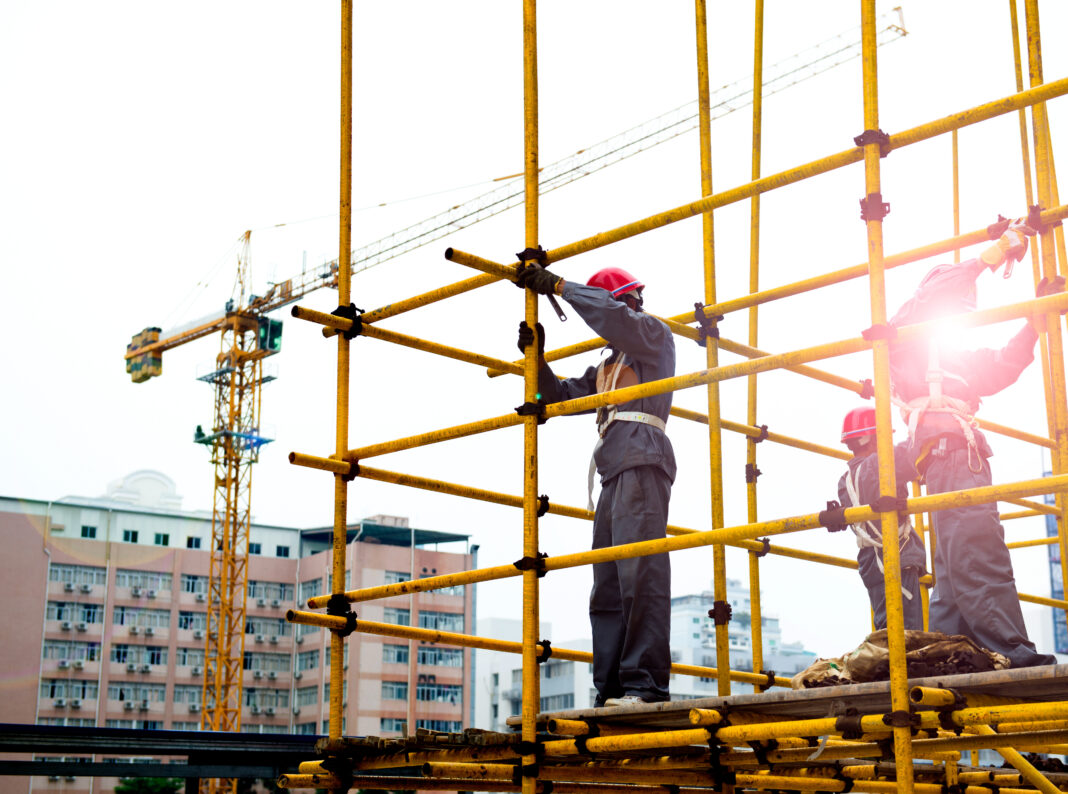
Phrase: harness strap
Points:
(617, 416)
(868, 534)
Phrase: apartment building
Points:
(107, 621)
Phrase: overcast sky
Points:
(142, 139)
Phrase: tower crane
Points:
(248, 336)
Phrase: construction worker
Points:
(860, 486)
(939, 389)
(630, 603)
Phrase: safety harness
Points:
(607, 414)
(868, 534)
(937, 402)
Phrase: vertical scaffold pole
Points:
(531, 611)
(344, 289)
(757, 629)
(895, 621)
(1056, 408)
(715, 436)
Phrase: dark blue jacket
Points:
(643, 346)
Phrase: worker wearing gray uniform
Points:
(939, 390)
(630, 603)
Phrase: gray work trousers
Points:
(975, 592)
(630, 603)
(912, 560)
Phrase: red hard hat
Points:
(614, 279)
(858, 423)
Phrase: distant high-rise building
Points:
(106, 602)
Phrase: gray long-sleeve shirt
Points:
(644, 350)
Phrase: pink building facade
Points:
(107, 618)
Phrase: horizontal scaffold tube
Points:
(484, 643)
(455, 489)
(576, 774)
(920, 504)
(898, 140)
(1046, 305)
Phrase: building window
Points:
(441, 726)
(88, 532)
(192, 543)
(396, 616)
(441, 621)
(306, 696)
(162, 539)
(393, 725)
(394, 690)
(77, 574)
(305, 728)
(194, 584)
(310, 589)
(129, 536)
(558, 702)
(396, 577)
(397, 654)
(443, 657)
(255, 548)
(308, 660)
(437, 693)
(281, 551)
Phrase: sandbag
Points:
(927, 653)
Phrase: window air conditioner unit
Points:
(259, 638)
(53, 778)
(275, 603)
(198, 634)
(87, 588)
(71, 778)
(296, 709)
(128, 705)
(201, 597)
(274, 639)
(82, 627)
(79, 664)
(298, 675)
(151, 593)
(198, 671)
(270, 711)
(144, 705)
(63, 664)
(261, 602)
(257, 674)
(134, 629)
(255, 709)
(66, 625)
(146, 668)
(300, 639)
(194, 707)
(131, 667)
(59, 703)
(135, 592)
(272, 675)
(150, 631)
(68, 587)
(76, 704)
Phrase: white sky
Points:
(142, 139)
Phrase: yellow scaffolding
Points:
(902, 735)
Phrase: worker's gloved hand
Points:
(537, 279)
(528, 335)
(1010, 247)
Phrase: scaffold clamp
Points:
(546, 651)
(867, 389)
(350, 312)
(848, 725)
(354, 471)
(879, 331)
(339, 606)
(998, 227)
(1034, 219)
(945, 714)
(763, 435)
(833, 518)
(720, 612)
(873, 208)
(874, 136)
(764, 551)
(543, 505)
(706, 326)
(533, 563)
(770, 682)
(752, 472)
(901, 719)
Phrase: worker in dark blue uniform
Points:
(860, 486)
(630, 603)
(939, 390)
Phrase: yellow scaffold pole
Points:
(873, 211)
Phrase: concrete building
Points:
(106, 619)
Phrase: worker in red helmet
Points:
(860, 486)
(630, 603)
(938, 389)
